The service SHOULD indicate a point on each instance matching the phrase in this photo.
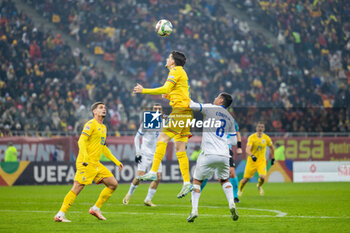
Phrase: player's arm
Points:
(109, 155)
(249, 150)
(137, 144)
(83, 148)
(196, 106)
(272, 151)
(82, 143)
(239, 143)
(165, 89)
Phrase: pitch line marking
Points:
(178, 214)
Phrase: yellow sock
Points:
(184, 165)
(68, 201)
(241, 186)
(104, 196)
(158, 155)
(260, 182)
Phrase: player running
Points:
(215, 151)
(177, 90)
(92, 143)
(144, 158)
(256, 161)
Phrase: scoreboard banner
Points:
(321, 171)
(66, 148)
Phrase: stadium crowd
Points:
(46, 85)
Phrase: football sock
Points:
(260, 182)
(195, 200)
(227, 187)
(184, 165)
(158, 155)
(241, 186)
(150, 194)
(132, 189)
(104, 196)
(234, 182)
(68, 201)
(204, 183)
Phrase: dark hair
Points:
(260, 122)
(95, 105)
(157, 104)
(227, 99)
(179, 58)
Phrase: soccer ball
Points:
(164, 27)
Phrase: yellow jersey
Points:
(258, 148)
(177, 88)
(95, 143)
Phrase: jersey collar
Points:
(222, 106)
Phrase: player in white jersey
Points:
(215, 151)
(144, 159)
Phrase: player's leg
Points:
(152, 190)
(134, 184)
(107, 178)
(68, 202)
(248, 173)
(204, 183)
(180, 149)
(162, 143)
(223, 172)
(234, 181)
(262, 174)
(196, 193)
(202, 171)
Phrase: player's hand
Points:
(138, 159)
(165, 96)
(85, 164)
(272, 162)
(138, 89)
(121, 166)
(239, 151)
(254, 158)
(232, 172)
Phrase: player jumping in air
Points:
(144, 158)
(177, 90)
(215, 151)
(92, 143)
(256, 161)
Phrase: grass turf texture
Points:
(32, 208)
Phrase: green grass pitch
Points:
(307, 207)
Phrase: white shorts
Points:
(208, 164)
(146, 164)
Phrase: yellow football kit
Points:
(177, 89)
(258, 149)
(92, 143)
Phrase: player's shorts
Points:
(146, 163)
(208, 164)
(92, 172)
(175, 130)
(252, 167)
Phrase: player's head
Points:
(157, 107)
(260, 127)
(175, 59)
(98, 109)
(10, 144)
(223, 99)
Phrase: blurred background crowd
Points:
(298, 84)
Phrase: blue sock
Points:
(234, 182)
(204, 183)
